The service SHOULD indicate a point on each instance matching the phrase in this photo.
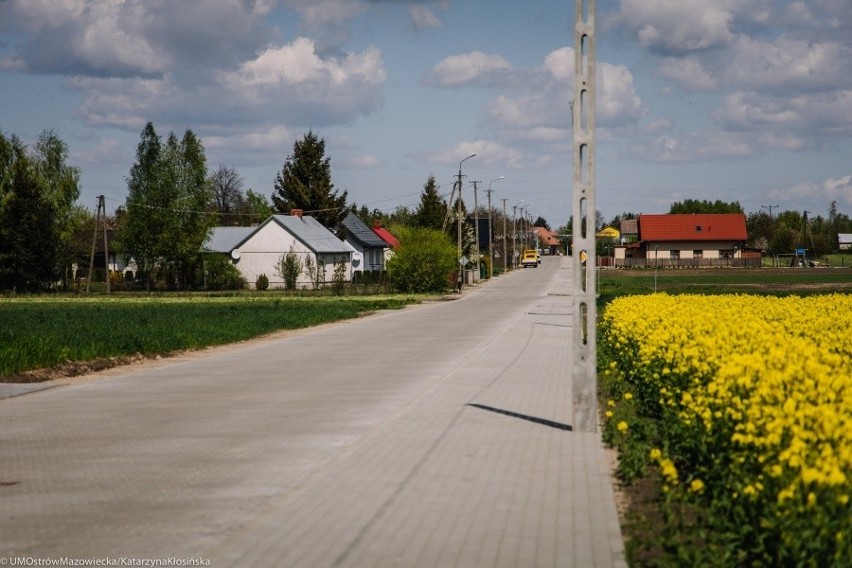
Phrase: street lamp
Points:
(490, 231)
(459, 279)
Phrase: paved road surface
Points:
(437, 435)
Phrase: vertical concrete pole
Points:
(584, 386)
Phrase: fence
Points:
(747, 262)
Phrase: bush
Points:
(423, 260)
(289, 267)
(220, 274)
(262, 283)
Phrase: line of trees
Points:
(38, 213)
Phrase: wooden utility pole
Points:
(101, 207)
(584, 326)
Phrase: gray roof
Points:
(306, 229)
(362, 233)
(312, 233)
(226, 239)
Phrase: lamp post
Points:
(459, 212)
(490, 231)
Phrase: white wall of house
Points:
(694, 249)
(262, 253)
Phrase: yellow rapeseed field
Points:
(754, 395)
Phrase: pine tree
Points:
(432, 209)
(305, 183)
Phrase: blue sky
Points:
(746, 100)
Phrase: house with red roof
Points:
(547, 240)
(699, 239)
(386, 236)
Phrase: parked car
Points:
(529, 258)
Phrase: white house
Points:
(258, 250)
(369, 247)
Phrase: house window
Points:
(675, 255)
(697, 254)
(697, 228)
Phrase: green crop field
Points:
(38, 333)
(776, 281)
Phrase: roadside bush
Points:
(422, 261)
(220, 274)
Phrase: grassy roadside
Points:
(659, 530)
(48, 332)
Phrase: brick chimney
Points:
(297, 212)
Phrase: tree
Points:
(256, 208)
(424, 261)
(305, 183)
(186, 166)
(705, 206)
(28, 249)
(289, 267)
(432, 209)
(226, 187)
(168, 194)
(42, 188)
(541, 222)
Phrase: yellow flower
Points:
(621, 426)
(655, 454)
(609, 413)
(697, 486)
(628, 395)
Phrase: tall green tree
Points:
(147, 216)
(38, 191)
(432, 209)
(28, 247)
(305, 183)
(168, 194)
(186, 166)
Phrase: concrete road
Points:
(437, 435)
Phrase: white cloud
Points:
(688, 74)
(489, 154)
(471, 69)
(789, 64)
(694, 147)
(678, 25)
(424, 18)
(131, 37)
(839, 190)
(812, 116)
(333, 14)
(362, 161)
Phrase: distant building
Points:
(844, 241)
(700, 239)
(258, 250)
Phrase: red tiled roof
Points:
(693, 227)
(547, 236)
(386, 236)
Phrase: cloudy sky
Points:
(746, 100)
